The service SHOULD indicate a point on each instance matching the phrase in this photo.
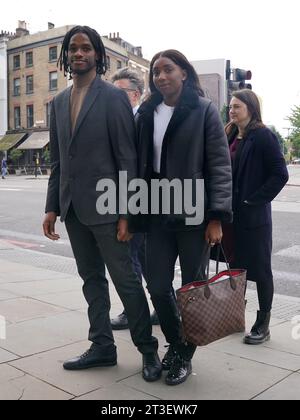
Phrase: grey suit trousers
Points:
(93, 248)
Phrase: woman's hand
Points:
(214, 233)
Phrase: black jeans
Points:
(162, 249)
(93, 248)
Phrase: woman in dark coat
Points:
(181, 136)
(259, 174)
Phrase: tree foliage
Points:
(294, 119)
(280, 139)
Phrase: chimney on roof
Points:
(21, 29)
(51, 25)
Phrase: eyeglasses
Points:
(128, 89)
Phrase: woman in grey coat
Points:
(181, 137)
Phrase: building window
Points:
(53, 80)
(108, 62)
(29, 110)
(17, 87)
(17, 117)
(119, 64)
(29, 84)
(29, 59)
(52, 53)
(16, 62)
(48, 111)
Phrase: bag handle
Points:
(232, 281)
(219, 248)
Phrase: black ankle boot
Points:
(168, 358)
(179, 370)
(260, 331)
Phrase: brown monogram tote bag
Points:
(214, 308)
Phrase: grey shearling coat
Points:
(194, 147)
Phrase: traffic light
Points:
(238, 79)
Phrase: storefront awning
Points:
(8, 141)
(37, 140)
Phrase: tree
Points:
(294, 119)
(15, 156)
(296, 145)
(46, 156)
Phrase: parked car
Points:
(296, 161)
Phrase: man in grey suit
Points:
(92, 137)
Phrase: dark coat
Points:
(103, 143)
(194, 147)
(258, 179)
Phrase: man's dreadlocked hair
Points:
(101, 64)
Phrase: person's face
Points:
(238, 112)
(168, 77)
(81, 54)
(134, 95)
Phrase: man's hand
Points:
(49, 226)
(123, 234)
(214, 233)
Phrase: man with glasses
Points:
(130, 81)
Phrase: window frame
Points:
(29, 92)
(15, 91)
(30, 106)
(51, 88)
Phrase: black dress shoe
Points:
(91, 358)
(179, 371)
(168, 358)
(154, 319)
(120, 322)
(152, 367)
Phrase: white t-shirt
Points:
(162, 117)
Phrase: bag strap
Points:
(220, 248)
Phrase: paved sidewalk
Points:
(294, 172)
(46, 323)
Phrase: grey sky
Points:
(260, 35)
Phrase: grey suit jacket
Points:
(103, 143)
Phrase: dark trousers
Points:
(162, 249)
(93, 248)
(138, 256)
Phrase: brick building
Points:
(33, 79)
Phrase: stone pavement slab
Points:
(287, 390)
(73, 300)
(6, 356)
(283, 340)
(261, 354)
(40, 287)
(47, 324)
(6, 295)
(16, 385)
(216, 377)
(23, 309)
(117, 392)
(43, 334)
(48, 367)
